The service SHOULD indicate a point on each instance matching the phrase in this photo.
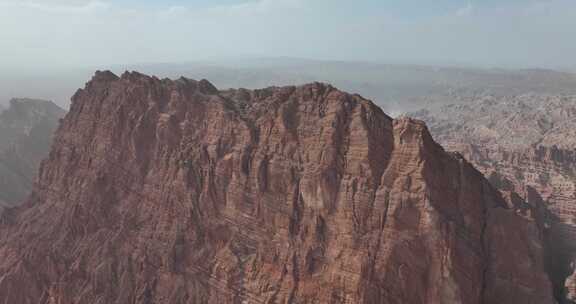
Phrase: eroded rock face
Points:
(26, 130)
(524, 145)
(160, 191)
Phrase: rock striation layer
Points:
(26, 129)
(162, 191)
(523, 144)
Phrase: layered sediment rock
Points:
(161, 191)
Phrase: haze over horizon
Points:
(63, 34)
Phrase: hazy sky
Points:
(48, 33)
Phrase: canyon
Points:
(172, 191)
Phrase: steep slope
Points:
(161, 191)
(26, 130)
(524, 144)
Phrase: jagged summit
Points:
(162, 191)
(202, 86)
(104, 76)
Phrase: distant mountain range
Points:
(397, 88)
(26, 129)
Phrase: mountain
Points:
(172, 191)
(525, 145)
(26, 129)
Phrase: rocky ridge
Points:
(171, 191)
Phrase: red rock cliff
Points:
(525, 146)
(160, 191)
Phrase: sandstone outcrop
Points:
(162, 191)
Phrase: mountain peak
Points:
(285, 194)
(104, 76)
